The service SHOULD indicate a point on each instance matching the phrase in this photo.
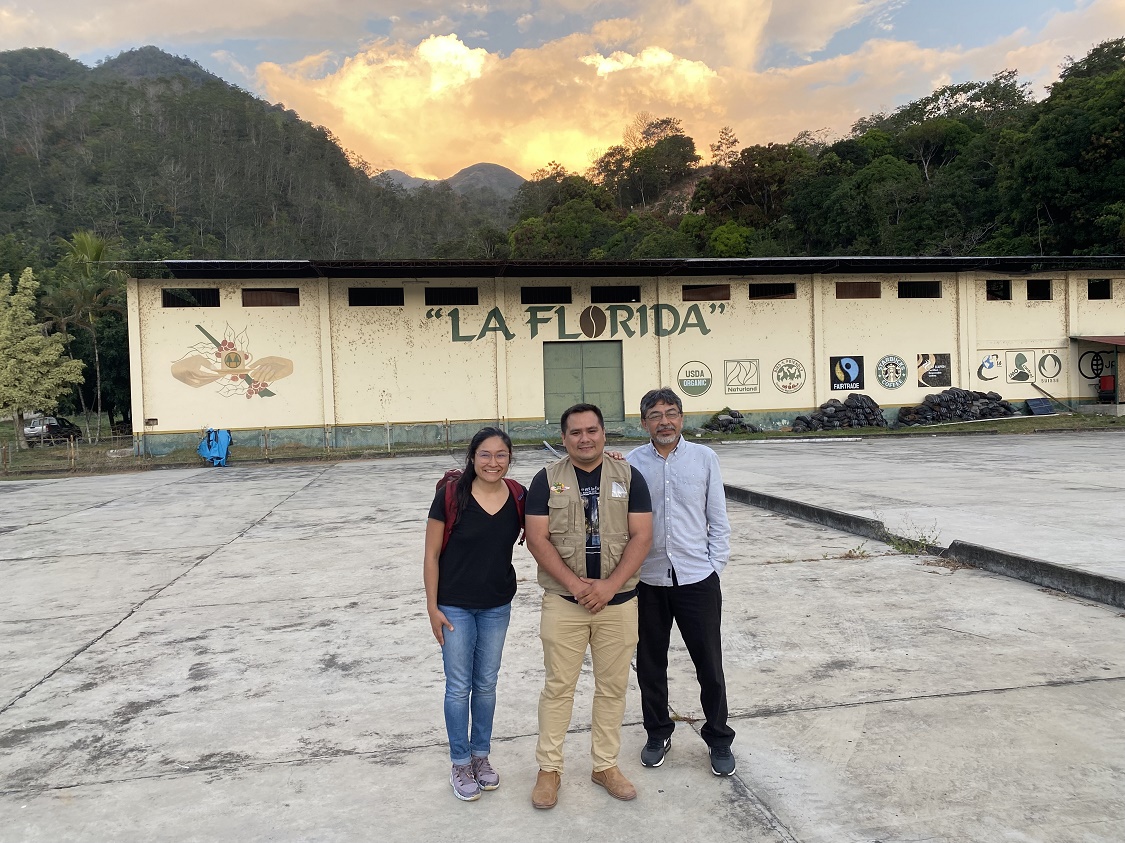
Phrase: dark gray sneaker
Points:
(464, 785)
(487, 778)
(655, 750)
(722, 761)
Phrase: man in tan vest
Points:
(589, 526)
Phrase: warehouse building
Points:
(337, 353)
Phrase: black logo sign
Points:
(847, 372)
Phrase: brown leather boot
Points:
(546, 791)
(616, 785)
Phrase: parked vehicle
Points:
(51, 430)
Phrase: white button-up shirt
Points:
(690, 530)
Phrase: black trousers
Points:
(698, 611)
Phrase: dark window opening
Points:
(616, 294)
(451, 295)
(271, 297)
(773, 290)
(376, 297)
(706, 292)
(919, 289)
(190, 297)
(1038, 289)
(859, 290)
(545, 295)
(1099, 289)
(998, 289)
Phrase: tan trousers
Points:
(566, 630)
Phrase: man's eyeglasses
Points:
(486, 456)
(671, 415)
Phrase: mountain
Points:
(167, 160)
(153, 63)
(474, 178)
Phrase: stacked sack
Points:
(858, 410)
(730, 421)
(956, 405)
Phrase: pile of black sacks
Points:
(730, 421)
(956, 405)
(858, 410)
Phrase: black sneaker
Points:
(722, 761)
(655, 750)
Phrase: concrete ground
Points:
(243, 654)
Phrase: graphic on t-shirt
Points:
(593, 526)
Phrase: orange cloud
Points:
(436, 107)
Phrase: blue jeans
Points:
(471, 655)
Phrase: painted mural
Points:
(228, 365)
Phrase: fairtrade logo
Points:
(890, 371)
(788, 375)
(694, 378)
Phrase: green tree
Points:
(85, 289)
(33, 371)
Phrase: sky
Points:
(432, 86)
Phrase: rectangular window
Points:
(919, 289)
(545, 295)
(376, 297)
(616, 294)
(998, 289)
(706, 292)
(1038, 289)
(190, 297)
(773, 290)
(451, 295)
(271, 297)
(859, 290)
(1099, 289)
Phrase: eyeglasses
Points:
(671, 415)
(485, 456)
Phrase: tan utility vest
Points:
(567, 519)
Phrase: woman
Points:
(470, 583)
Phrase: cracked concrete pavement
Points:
(243, 653)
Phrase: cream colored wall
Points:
(1035, 329)
(395, 364)
(888, 325)
(421, 364)
(168, 335)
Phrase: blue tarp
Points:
(215, 446)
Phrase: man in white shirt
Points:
(680, 578)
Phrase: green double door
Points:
(583, 373)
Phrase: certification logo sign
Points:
(846, 372)
(890, 371)
(694, 378)
(934, 370)
(788, 375)
(742, 377)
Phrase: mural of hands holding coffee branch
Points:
(229, 365)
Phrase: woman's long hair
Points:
(465, 481)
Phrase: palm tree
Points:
(84, 289)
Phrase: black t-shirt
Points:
(475, 571)
(589, 486)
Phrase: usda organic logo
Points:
(694, 378)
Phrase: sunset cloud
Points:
(431, 86)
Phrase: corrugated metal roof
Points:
(687, 267)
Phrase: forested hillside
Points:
(148, 156)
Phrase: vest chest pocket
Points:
(559, 514)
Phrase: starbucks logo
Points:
(890, 371)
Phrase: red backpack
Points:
(449, 483)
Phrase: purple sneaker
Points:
(464, 785)
(487, 778)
